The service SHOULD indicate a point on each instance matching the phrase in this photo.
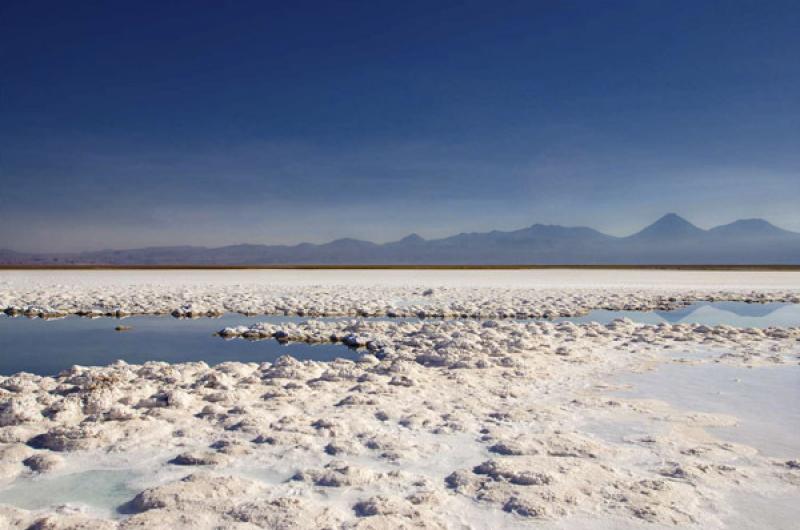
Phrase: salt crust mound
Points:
(445, 424)
(194, 300)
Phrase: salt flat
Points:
(532, 278)
(475, 422)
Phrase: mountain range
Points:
(670, 240)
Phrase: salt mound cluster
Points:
(438, 424)
(203, 300)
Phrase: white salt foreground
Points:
(483, 422)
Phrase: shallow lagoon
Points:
(48, 346)
(738, 314)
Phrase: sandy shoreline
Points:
(481, 423)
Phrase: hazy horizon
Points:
(315, 238)
(296, 243)
(193, 124)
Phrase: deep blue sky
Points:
(148, 123)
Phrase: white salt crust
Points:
(441, 424)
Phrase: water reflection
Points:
(739, 314)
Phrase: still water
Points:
(101, 491)
(739, 314)
(48, 346)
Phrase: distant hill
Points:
(670, 240)
(671, 227)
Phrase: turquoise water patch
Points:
(99, 490)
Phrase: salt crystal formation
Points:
(477, 422)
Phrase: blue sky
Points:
(159, 123)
